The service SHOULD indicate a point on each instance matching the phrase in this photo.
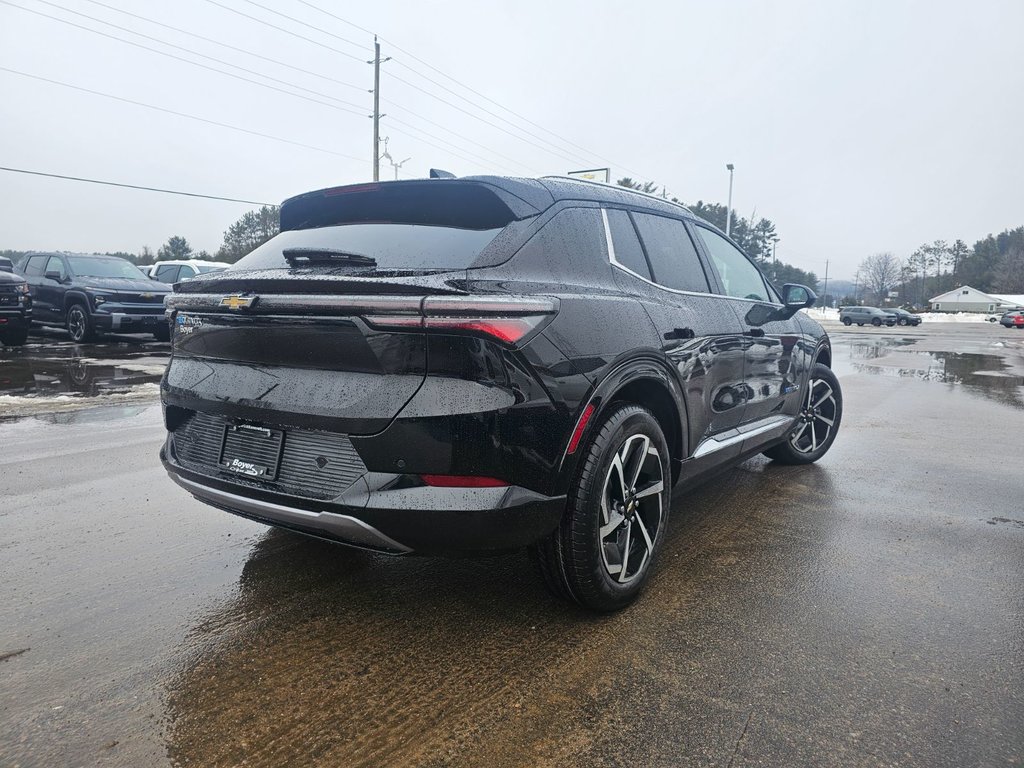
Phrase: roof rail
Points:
(607, 185)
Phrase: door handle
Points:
(680, 333)
(755, 332)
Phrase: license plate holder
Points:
(252, 451)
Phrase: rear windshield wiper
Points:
(299, 256)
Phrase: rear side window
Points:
(391, 246)
(626, 246)
(672, 254)
(567, 246)
(740, 278)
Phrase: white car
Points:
(171, 272)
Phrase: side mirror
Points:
(794, 298)
(797, 297)
(52, 275)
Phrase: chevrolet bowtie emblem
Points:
(238, 302)
(147, 295)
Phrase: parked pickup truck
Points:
(89, 294)
(15, 309)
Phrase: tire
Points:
(162, 332)
(876, 322)
(576, 561)
(79, 324)
(847, 321)
(860, 325)
(903, 321)
(812, 435)
(15, 338)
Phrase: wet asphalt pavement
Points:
(866, 611)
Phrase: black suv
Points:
(487, 363)
(15, 308)
(88, 294)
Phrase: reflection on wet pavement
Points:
(988, 375)
(63, 374)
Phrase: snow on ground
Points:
(17, 406)
(829, 314)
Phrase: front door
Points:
(775, 362)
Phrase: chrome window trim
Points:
(615, 263)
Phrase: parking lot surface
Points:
(864, 611)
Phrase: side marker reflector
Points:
(574, 441)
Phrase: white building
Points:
(967, 299)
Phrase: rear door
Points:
(656, 260)
(33, 273)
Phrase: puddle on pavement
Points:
(64, 373)
(986, 375)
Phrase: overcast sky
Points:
(856, 127)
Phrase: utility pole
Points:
(376, 109)
(728, 210)
(825, 292)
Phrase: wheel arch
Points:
(823, 355)
(647, 381)
(76, 297)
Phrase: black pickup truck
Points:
(89, 294)
(15, 308)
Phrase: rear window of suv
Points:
(392, 246)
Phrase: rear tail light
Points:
(508, 319)
(462, 481)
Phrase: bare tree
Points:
(881, 272)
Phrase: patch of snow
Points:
(17, 406)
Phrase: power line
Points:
(463, 85)
(457, 135)
(133, 186)
(477, 117)
(228, 46)
(182, 114)
(286, 31)
(391, 119)
(309, 26)
(178, 47)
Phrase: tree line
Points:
(756, 236)
(995, 264)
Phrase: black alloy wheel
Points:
(847, 321)
(877, 321)
(817, 424)
(80, 325)
(602, 552)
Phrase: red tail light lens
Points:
(506, 319)
(462, 481)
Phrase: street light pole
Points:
(728, 210)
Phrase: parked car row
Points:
(1013, 319)
(89, 294)
(868, 316)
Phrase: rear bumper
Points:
(384, 514)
